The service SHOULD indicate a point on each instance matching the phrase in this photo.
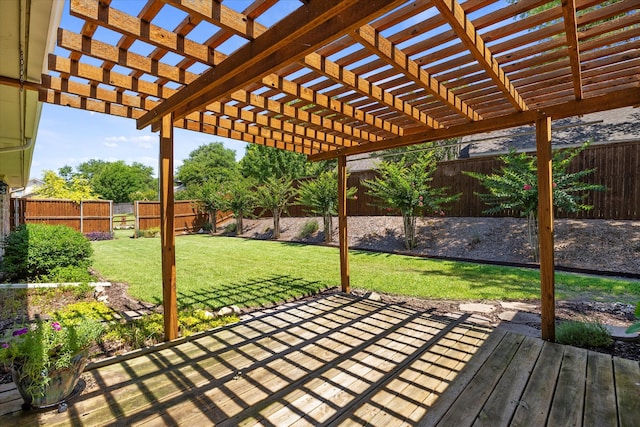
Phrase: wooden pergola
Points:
(332, 78)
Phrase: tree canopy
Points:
(118, 181)
(56, 187)
(211, 162)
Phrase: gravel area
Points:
(603, 245)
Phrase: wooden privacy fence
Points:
(86, 216)
(617, 168)
(188, 218)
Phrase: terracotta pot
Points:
(61, 385)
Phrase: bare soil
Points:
(603, 245)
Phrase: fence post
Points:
(81, 217)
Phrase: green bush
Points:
(69, 273)
(34, 251)
(580, 334)
(85, 310)
(309, 228)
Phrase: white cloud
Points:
(143, 141)
(110, 144)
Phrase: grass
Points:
(218, 271)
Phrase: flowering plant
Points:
(45, 346)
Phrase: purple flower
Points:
(527, 187)
(4, 345)
(55, 326)
(20, 332)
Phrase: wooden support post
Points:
(167, 234)
(545, 228)
(342, 224)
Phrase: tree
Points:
(241, 200)
(118, 181)
(261, 163)
(320, 195)
(206, 163)
(212, 198)
(91, 168)
(515, 187)
(274, 195)
(55, 187)
(405, 184)
(66, 173)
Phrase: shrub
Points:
(36, 250)
(580, 334)
(149, 330)
(151, 232)
(231, 228)
(70, 273)
(98, 235)
(85, 310)
(309, 228)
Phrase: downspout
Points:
(22, 147)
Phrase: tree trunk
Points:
(213, 216)
(239, 224)
(327, 228)
(409, 223)
(276, 224)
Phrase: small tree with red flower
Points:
(515, 187)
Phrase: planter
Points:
(60, 386)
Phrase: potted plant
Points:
(46, 358)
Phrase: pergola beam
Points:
(222, 16)
(298, 34)
(351, 80)
(609, 101)
(377, 43)
(465, 30)
(205, 123)
(571, 31)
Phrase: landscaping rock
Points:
(518, 306)
(519, 317)
(520, 329)
(236, 310)
(373, 296)
(619, 333)
(225, 311)
(477, 308)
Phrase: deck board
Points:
(341, 360)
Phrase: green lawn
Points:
(217, 271)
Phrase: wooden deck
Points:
(341, 360)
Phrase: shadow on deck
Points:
(341, 360)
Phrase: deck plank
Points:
(627, 381)
(600, 396)
(462, 381)
(504, 400)
(568, 401)
(535, 403)
(471, 401)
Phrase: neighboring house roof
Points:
(618, 125)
